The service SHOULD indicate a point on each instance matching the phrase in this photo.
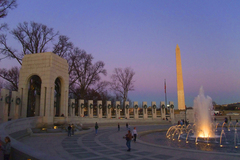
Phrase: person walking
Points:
(118, 127)
(129, 139)
(73, 129)
(134, 134)
(69, 130)
(6, 148)
(96, 128)
(127, 125)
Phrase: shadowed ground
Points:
(109, 144)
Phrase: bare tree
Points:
(37, 38)
(84, 74)
(63, 48)
(6, 5)
(12, 76)
(34, 38)
(122, 82)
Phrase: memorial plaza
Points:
(37, 126)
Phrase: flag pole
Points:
(165, 91)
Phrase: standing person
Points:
(226, 120)
(118, 127)
(181, 122)
(73, 128)
(69, 130)
(96, 128)
(134, 134)
(129, 139)
(127, 125)
(6, 148)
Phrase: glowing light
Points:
(202, 109)
(236, 146)
(221, 145)
(186, 141)
(196, 143)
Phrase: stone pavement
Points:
(110, 145)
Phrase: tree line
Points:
(84, 76)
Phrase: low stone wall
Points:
(21, 151)
(181, 115)
(86, 120)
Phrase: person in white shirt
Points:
(134, 133)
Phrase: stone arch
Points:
(34, 93)
(58, 98)
(49, 67)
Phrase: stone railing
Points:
(19, 128)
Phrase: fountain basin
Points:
(228, 146)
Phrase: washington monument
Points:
(180, 88)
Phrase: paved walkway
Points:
(110, 145)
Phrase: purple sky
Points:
(143, 34)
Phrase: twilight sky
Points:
(143, 34)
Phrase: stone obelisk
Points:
(180, 89)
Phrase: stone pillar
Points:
(126, 110)
(135, 110)
(99, 109)
(24, 100)
(49, 104)
(81, 108)
(5, 100)
(154, 110)
(14, 109)
(163, 113)
(37, 106)
(55, 107)
(109, 107)
(171, 111)
(145, 113)
(64, 101)
(117, 109)
(72, 107)
(90, 108)
(190, 115)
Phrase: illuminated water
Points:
(203, 134)
(228, 145)
(202, 113)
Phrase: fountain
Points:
(202, 113)
(211, 135)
